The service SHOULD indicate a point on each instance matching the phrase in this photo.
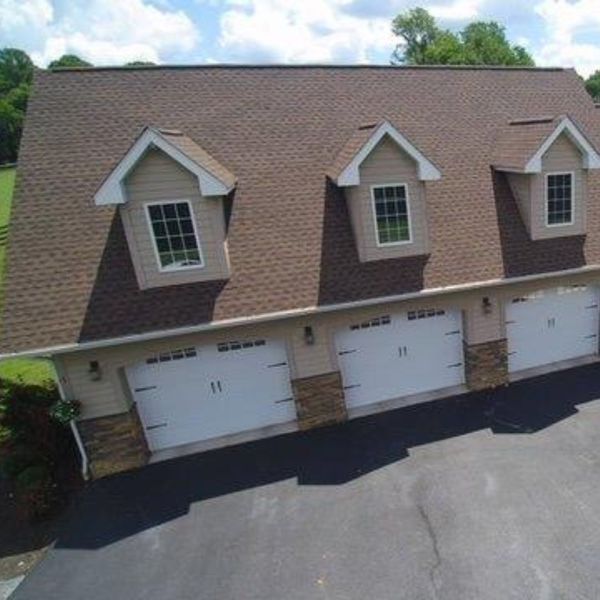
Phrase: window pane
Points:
(169, 210)
(559, 202)
(183, 210)
(177, 243)
(173, 231)
(391, 213)
(156, 213)
(190, 241)
(162, 244)
(173, 227)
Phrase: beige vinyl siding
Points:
(520, 186)
(110, 396)
(562, 156)
(158, 178)
(387, 164)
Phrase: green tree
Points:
(418, 31)
(140, 63)
(15, 68)
(592, 85)
(16, 73)
(69, 61)
(479, 43)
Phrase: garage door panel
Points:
(551, 326)
(223, 389)
(399, 355)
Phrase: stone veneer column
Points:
(486, 364)
(319, 400)
(115, 443)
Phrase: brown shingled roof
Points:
(290, 242)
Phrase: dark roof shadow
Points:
(118, 307)
(343, 278)
(520, 254)
(114, 508)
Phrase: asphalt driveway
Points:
(485, 496)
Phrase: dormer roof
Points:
(345, 170)
(213, 178)
(523, 142)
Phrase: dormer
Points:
(383, 175)
(546, 161)
(170, 195)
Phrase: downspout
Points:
(82, 453)
(60, 380)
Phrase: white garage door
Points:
(199, 393)
(551, 325)
(397, 355)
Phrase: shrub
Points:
(34, 444)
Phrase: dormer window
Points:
(559, 199)
(174, 235)
(392, 214)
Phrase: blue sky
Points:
(556, 32)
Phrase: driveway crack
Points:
(437, 562)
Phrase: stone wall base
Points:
(319, 400)
(486, 365)
(114, 444)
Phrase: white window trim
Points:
(162, 269)
(546, 177)
(374, 213)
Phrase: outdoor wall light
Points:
(309, 335)
(94, 370)
(486, 303)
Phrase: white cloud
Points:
(307, 31)
(100, 31)
(459, 10)
(564, 20)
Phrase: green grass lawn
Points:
(25, 369)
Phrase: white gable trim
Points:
(112, 190)
(591, 158)
(427, 171)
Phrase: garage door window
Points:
(559, 199)
(392, 215)
(172, 355)
(377, 322)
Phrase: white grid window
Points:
(377, 322)
(175, 238)
(559, 188)
(229, 346)
(172, 355)
(425, 313)
(392, 220)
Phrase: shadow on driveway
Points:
(114, 508)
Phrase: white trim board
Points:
(427, 171)
(591, 158)
(298, 312)
(112, 190)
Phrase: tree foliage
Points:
(423, 42)
(69, 61)
(16, 73)
(592, 85)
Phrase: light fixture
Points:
(486, 303)
(309, 335)
(94, 370)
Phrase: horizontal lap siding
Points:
(387, 163)
(108, 396)
(158, 178)
(563, 155)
